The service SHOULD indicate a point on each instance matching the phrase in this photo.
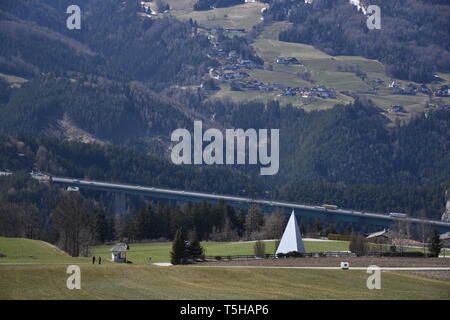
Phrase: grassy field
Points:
(44, 277)
(330, 71)
(39, 252)
(411, 103)
(151, 282)
(241, 16)
(35, 251)
(159, 252)
(308, 104)
(323, 67)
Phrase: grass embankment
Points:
(19, 250)
(150, 282)
(37, 270)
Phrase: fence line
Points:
(314, 255)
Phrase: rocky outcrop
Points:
(446, 214)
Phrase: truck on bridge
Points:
(330, 206)
(397, 215)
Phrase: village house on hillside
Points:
(289, 60)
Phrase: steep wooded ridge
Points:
(114, 112)
(114, 41)
(350, 144)
(123, 81)
(102, 78)
(413, 42)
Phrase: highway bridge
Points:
(317, 212)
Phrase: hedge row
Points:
(339, 237)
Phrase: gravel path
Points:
(336, 262)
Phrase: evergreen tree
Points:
(318, 227)
(101, 225)
(435, 245)
(259, 248)
(241, 222)
(178, 253)
(194, 248)
(143, 224)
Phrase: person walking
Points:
(99, 260)
(93, 259)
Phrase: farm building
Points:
(445, 238)
(119, 252)
(382, 236)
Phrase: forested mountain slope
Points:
(127, 114)
(351, 144)
(127, 80)
(413, 42)
(114, 41)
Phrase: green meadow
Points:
(184, 282)
(241, 16)
(26, 251)
(37, 270)
(21, 251)
(160, 252)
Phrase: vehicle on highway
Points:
(76, 181)
(397, 215)
(40, 176)
(330, 206)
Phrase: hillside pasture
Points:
(199, 283)
(241, 16)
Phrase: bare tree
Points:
(74, 224)
(399, 233)
(424, 229)
(19, 220)
(253, 221)
(274, 226)
(227, 233)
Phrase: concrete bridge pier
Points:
(120, 204)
